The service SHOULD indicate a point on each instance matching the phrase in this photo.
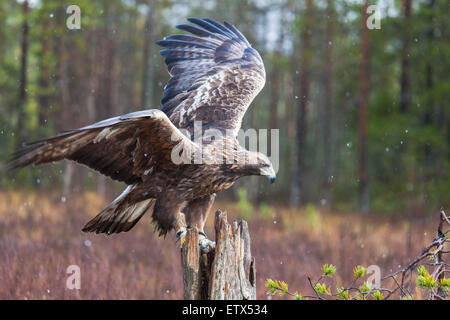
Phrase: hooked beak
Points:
(269, 173)
(272, 179)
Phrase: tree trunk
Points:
(72, 100)
(328, 105)
(304, 98)
(23, 77)
(108, 81)
(429, 85)
(225, 273)
(44, 76)
(146, 94)
(275, 79)
(363, 111)
(65, 111)
(404, 80)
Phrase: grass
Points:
(40, 236)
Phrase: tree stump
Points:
(226, 272)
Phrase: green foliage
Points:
(444, 284)
(364, 290)
(328, 270)
(272, 286)
(275, 286)
(425, 280)
(342, 294)
(321, 288)
(266, 211)
(244, 206)
(359, 272)
(299, 297)
(377, 295)
(422, 271)
(312, 215)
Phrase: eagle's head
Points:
(260, 165)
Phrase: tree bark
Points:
(72, 100)
(328, 103)
(303, 99)
(152, 29)
(146, 93)
(225, 273)
(20, 136)
(107, 83)
(363, 111)
(275, 77)
(404, 80)
(44, 76)
(429, 85)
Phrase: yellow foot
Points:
(181, 235)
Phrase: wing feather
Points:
(215, 74)
(113, 146)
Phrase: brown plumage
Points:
(215, 74)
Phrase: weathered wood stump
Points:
(226, 272)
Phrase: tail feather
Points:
(120, 215)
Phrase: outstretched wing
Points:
(124, 148)
(215, 75)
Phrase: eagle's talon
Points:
(181, 236)
(205, 244)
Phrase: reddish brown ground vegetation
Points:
(40, 237)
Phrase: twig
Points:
(440, 268)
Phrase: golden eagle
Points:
(215, 75)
